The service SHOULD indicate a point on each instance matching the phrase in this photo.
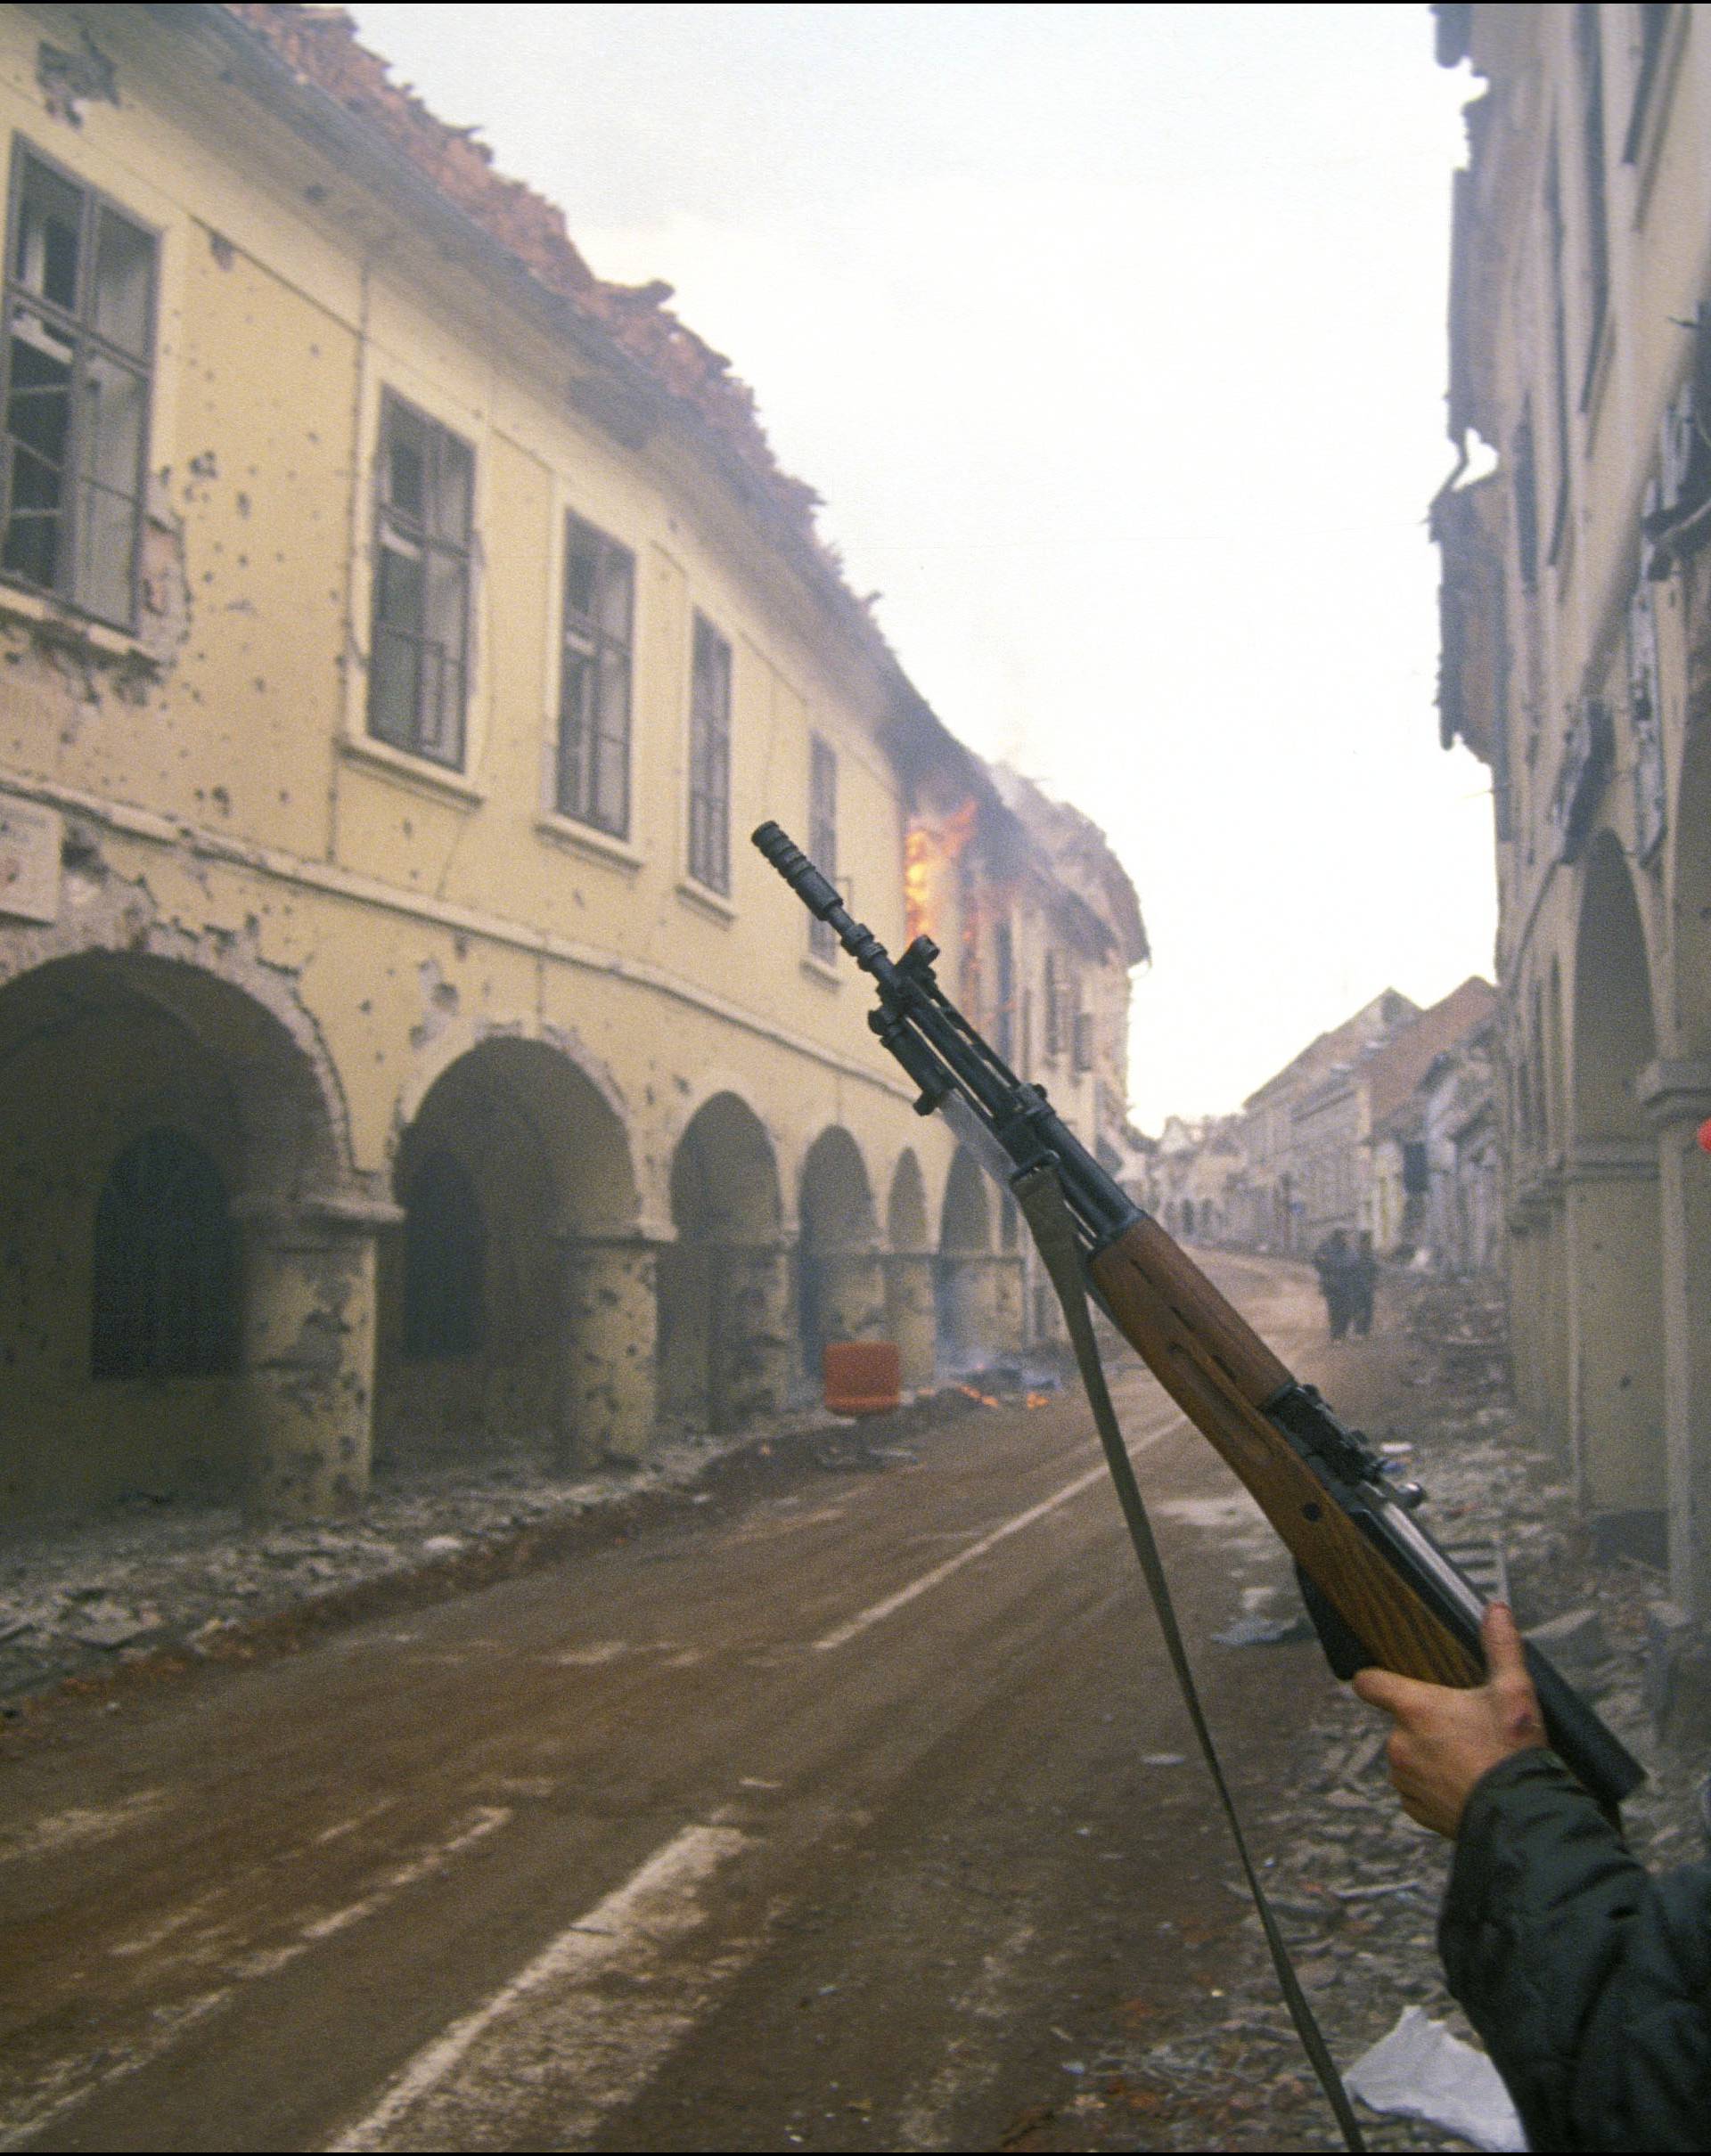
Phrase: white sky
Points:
(1114, 339)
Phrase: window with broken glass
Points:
(709, 760)
(1589, 51)
(79, 295)
(822, 841)
(418, 673)
(594, 778)
(1645, 701)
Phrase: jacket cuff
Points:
(1526, 1786)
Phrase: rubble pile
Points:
(1355, 1884)
(147, 1582)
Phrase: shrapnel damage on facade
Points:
(400, 629)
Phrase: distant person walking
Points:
(1363, 1278)
(1333, 1262)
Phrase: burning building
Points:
(405, 1055)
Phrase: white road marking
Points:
(71, 2082)
(877, 1612)
(966, 2067)
(580, 2051)
(81, 1823)
(591, 1657)
(488, 1818)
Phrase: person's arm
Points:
(1589, 1983)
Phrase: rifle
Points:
(1377, 1586)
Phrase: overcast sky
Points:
(1113, 336)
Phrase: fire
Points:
(984, 1399)
(1038, 1399)
(928, 850)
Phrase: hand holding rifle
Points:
(1384, 1597)
(1447, 1740)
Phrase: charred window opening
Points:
(709, 760)
(823, 844)
(1589, 51)
(593, 781)
(444, 1262)
(165, 1302)
(1082, 1042)
(1651, 22)
(79, 298)
(418, 679)
(1004, 966)
(1527, 501)
(1558, 351)
(1052, 999)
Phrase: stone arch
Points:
(511, 1293)
(840, 1275)
(105, 1053)
(910, 1315)
(725, 1317)
(1613, 1226)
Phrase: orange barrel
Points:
(862, 1377)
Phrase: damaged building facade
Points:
(405, 1052)
(1576, 662)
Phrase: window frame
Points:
(430, 542)
(1595, 163)
(823, 837)
(708, 827)
(76, 325)
(597, 646)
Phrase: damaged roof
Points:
(321, 47)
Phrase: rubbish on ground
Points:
(1265, 1631)
(1575, 1639)
(1420, 2071)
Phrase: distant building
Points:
(1576, 662)
(1300, 1136)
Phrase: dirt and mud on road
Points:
(850, 1809)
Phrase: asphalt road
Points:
(839, 1810)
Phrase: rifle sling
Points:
(1041, 1197)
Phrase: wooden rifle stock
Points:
(1223, 1378)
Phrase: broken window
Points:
(165, 1278)
(709, 759)
(823, 835)
(1053, 1002)
(593, 781)
(1650, 24)
(1645, 712)
(1559, 350)
(444, 1262)
(79, 299)
(418, 676)
(1003, 1017)
(1527, 500)
(1589, 49)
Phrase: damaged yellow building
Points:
(403, 1049)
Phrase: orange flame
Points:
(927, 851)
(984, 1399)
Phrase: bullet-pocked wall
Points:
(404, 1048)
(1577, 663)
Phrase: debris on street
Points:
(148, 1583)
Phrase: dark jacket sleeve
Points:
(1589, 1979)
